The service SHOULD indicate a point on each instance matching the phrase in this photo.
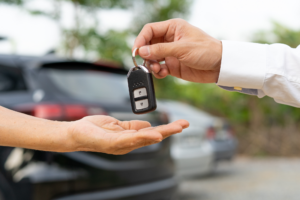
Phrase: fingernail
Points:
(144, 51)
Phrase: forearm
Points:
(20, 130)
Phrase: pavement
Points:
(247, 179)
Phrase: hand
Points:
(108, 135)
(189, 53)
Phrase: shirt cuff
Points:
(242, 90)
(243, 65)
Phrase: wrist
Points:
(80, 136)
(218, 59)
(218, 55)
(64, 136)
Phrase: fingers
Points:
(183, 123)
(171, 67)
(159, 51)
(129, 140)
(163, 72)
(111, 123)
(152, 30)
(164, 31)
(172, 128)
(162, 37)
(158, 70)
(134, 124)
(116, 137)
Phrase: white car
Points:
(191, 150)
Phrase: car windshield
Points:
(90, 85)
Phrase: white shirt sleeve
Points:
(273, 70)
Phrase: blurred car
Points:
(59, 89)
(221, 138)
(191, 150)
(208, 140)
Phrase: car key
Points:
(141, 89)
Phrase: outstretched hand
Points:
(108, 135)
(189, 53)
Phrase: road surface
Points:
(247, 179)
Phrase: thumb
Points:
(159, 51)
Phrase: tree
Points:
(17, 2)
(278, 34)
(87, 36)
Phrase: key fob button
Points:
(141, 92)
(141, 104)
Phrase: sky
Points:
(230, 20)
(239, 19)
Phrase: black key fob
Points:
(141, 89)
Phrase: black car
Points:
(60, 89)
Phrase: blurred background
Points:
(101, 33)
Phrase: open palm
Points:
(108, 135)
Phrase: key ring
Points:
(136, 66)
(133, 59)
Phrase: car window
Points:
(90, 85)
(11, 79)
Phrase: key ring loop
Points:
(136, 66)
(133, 58)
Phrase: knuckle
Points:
(182, 50)
(147, 26)
(179, 21)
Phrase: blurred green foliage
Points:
(87, 35)
(18, 2)
(278, 34)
